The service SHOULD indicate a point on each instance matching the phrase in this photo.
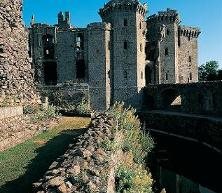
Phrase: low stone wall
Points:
(86, 166)
(6, 112)
(206, 130)
(15, 130)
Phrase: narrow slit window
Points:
(141, 47)
(166, 52)
(168, 32)
(190, 59)
(125, 74)
(191, 76)
(167, 76)
(125, 45)
(125, 22)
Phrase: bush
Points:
(135, 141)
(131, 175)
(31, 109)
(45, 113)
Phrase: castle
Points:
(118, 56)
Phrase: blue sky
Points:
(206, 14)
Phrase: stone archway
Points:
(171, 99)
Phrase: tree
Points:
(209, 71)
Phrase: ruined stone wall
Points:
(99, 65)
(16, 75)
(86, 166)
(36, 48)
(67, 97)
(65, 54)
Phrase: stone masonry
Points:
(172, 51)
(86, 166)
(16, 77)
(118, 56)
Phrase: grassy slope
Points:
(26, 163)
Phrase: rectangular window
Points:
(166, 76)
(166, 52)
(191, 76)
(141, 75)
(168, 32)
(190, 59)
(125, 45)
(125, 23)
(125, 75)
(141, 47)
(109, 45)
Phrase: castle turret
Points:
(64, 20)
(172, 49)
(188, 54)
(162, 46)
(127, 18)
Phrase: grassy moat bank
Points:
(27, 162)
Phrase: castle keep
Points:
(118, 56)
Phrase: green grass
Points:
(27, 162)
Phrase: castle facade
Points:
(118, 56)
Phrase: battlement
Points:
(115, 5)
(169, 15)
(99, 25)
(189, 31)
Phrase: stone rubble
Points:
(86, 166)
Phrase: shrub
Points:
(31, 109)
(136, 141)
(131, 175)
(45, 113)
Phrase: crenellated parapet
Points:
(167, 16)
(189, 31)
(99, 25)
(122, 5)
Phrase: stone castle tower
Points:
(171, 49)
(127, 73)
